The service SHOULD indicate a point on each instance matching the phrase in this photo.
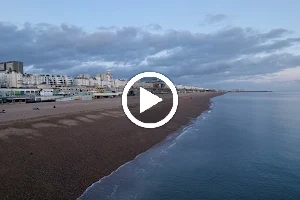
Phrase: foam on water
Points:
(141, 166)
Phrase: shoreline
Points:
(173, 136)
(59, 157)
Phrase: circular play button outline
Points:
(164, 120)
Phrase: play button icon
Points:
(147, 100)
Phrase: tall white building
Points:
(11, 79)
(32, 80)
(102, 77)
(99, 80)
(86, 80)
(109, 79)
(120, 83)
(93, 82)
(2, 79)
(82, 82)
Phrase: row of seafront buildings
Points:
(12, 76)
(14, 82)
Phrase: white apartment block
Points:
(57, 80)
(91, 82)
(81, 82)
(120, 83)
(102, 77)
(11, 79)
(32, 80)
(180, 87)
(98, 80)
(15, 79)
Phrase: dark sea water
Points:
(246, 147)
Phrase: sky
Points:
(220, 44)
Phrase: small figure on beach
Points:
(36, 108)
(3, 111)
(54, 106)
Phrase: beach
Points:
(57, 153)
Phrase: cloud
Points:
(184, 56)
(212, 19)
(155, 27)
(286, 75)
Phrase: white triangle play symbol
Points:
(147, 100)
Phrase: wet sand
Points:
(56, 153)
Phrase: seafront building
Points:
(15, 85)
(190, 88)
(86, 80)
(11, 79)
(100, 81)
(33, 80)
(11, 74)
(12, 66)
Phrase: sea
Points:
(246, 146)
